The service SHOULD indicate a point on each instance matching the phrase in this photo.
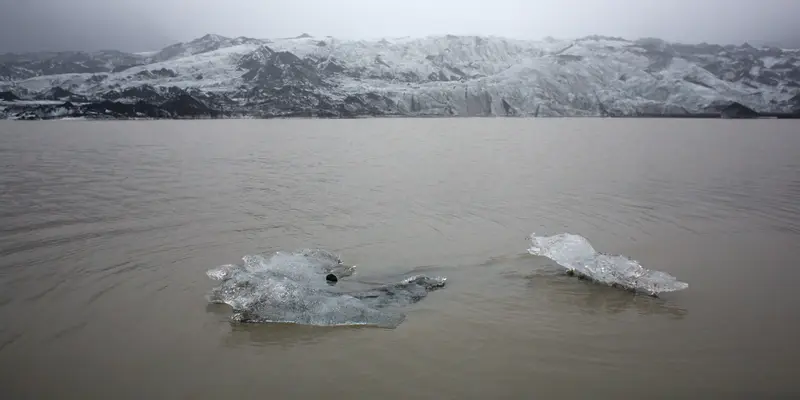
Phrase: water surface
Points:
(107, 230)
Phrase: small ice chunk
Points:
(576, 254)
(296, 288)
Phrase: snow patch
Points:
(460, 75)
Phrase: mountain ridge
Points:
(444, 75)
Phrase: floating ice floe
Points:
(300, 287)
(576, 254)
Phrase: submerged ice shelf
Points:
(292, 288)
(576, 254)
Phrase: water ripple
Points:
(117, 223)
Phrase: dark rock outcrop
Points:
(59, 93)
(510, 111)
(186, 105)
(332, 67)
(10, 72)
(23, 66)
(272, 69)
(205, 44)
(122, 110)
(8, 96)
(794, 102)
(156, 73)
(738, 110)
(145, 92)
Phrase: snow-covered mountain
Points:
(436, 75)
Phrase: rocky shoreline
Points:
(187, 107)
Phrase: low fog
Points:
(141, 25)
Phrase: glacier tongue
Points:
(292, 288)
(577, 255)
(436, 75)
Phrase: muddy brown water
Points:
(107, 229)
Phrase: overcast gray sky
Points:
(139, 25)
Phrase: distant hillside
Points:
(216, 76)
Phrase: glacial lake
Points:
(107, 230)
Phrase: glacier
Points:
(576, 254)
(293, 287)
(447, 75)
